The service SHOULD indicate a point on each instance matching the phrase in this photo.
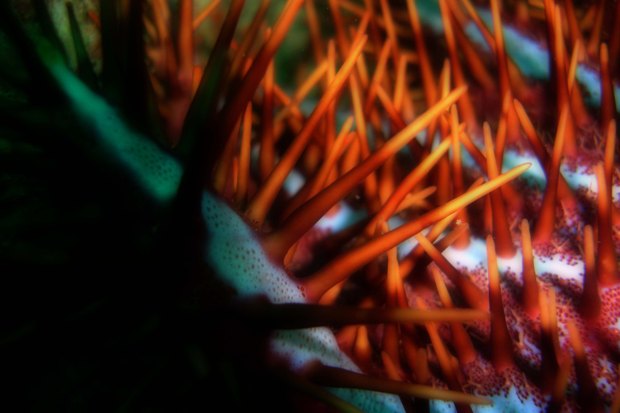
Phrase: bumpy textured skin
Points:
(239, 261)
(232, 249)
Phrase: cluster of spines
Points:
(349, 162)
(372, 170)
